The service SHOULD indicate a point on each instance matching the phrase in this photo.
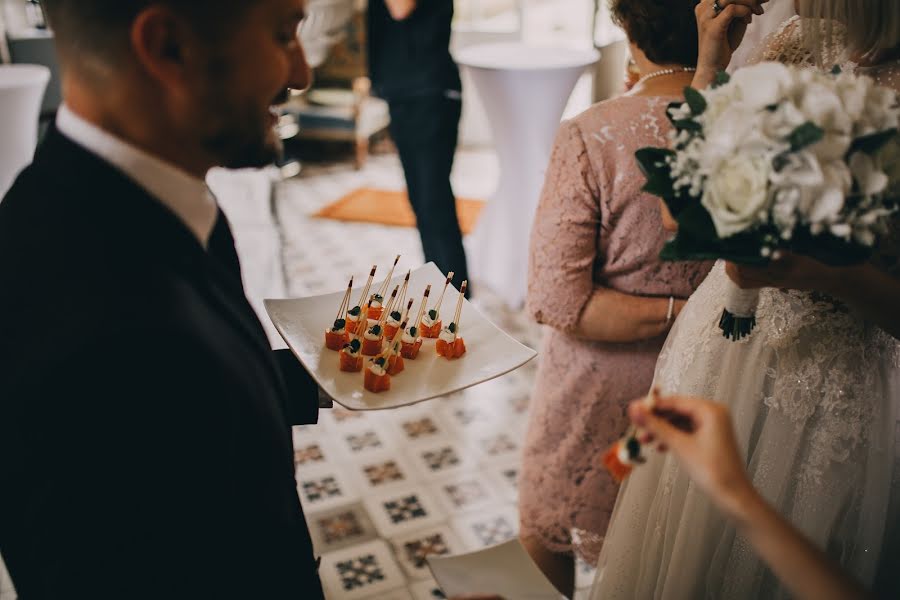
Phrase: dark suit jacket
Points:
(145, 443)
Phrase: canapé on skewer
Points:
(336, 335)
(376, 302)
(450, 343)
(377, 376)
(397, 314)
(374, 336)
(354, 314)
(430, 323)
(411, 340)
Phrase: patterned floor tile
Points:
(325, 487)
(312, 453)
(442, 456)
(378, 471)
(340, 527)
(497, 445)
(402, 510)
(364, 438)
(504, 477)
(427, 590)
(465, 492)
(413, 549)
(487, 527)
(360, 572)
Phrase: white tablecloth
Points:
(524, 89)
(21, 90)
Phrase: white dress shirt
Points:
(183, 194)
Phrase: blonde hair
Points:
(865, 27)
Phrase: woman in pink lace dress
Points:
(596, 279)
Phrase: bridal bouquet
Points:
(777, 158)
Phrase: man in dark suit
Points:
(145, 442)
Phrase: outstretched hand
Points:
(700, 434)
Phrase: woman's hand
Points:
(720, 34)
(700, 434)
(788, 271)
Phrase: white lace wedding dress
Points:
(814, 393)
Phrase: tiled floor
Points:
(382, 490)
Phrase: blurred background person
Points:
(411, 68)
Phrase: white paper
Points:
(505, 570)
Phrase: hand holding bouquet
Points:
(777, 158)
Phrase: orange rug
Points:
(387, 207)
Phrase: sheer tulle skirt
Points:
(813, 392)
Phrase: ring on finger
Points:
(717, 8)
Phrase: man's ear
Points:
(162, 44)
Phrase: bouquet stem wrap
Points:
(739, 317)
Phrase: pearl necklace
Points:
(662, 72)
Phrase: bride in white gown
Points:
(814, 393)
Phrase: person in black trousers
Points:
(411, 68)
(145, 421)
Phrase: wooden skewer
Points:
(402, 297)
(389, 351)
(650, 401)
(405, 314)
(437, 306)
(365, 292)
(343, 309)
(384, 286)
(459, 302)
(422, 306)
(362, 322)
(387, 307)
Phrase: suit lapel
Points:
(133, 224)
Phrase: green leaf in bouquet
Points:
(697, 240)
(672, 106)
(687, 125)
(721, 79)
(652, 162)
(805, 135)
(695, 100)
(872, 143)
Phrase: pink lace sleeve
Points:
(564, 235)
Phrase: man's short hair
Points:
(101, 27)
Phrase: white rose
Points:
(735, 132)
(837, 175)
(832, 147)
(763, 84)
(881, 111)
(800, 169)
(822, 206)
(823, 106)
(737, 195)
(868, 176)
(781, 122)
(853, 92)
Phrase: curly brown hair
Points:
(664, 30)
